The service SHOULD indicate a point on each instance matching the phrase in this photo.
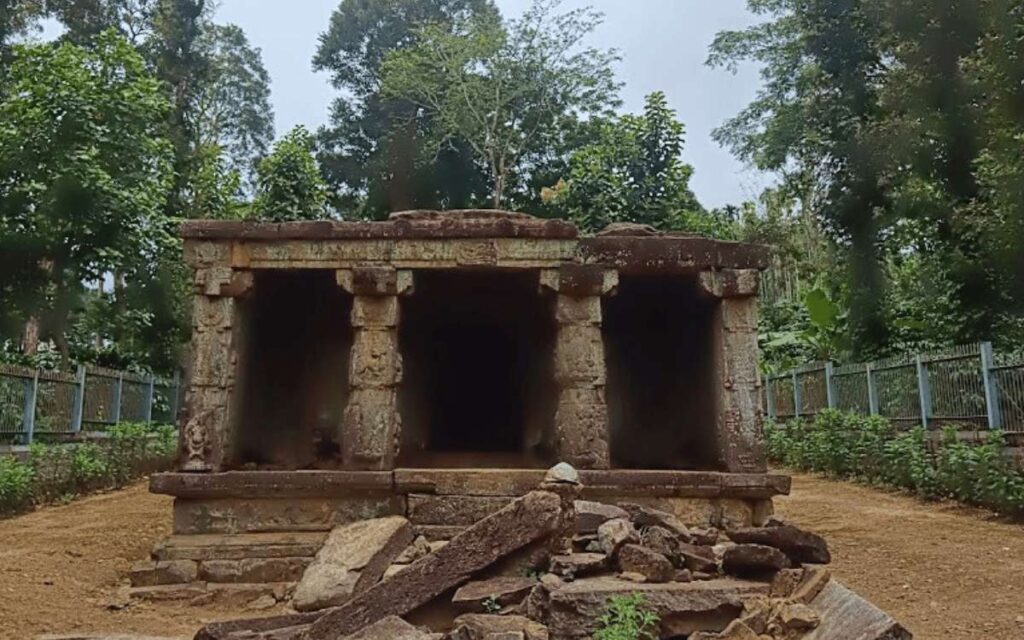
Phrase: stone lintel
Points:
(671, 254)
(730, 283)
(375, 281)
(270, 484)
(580, 280)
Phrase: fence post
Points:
(872, 391)
(769, 396)
(115, 413)
(995, 418)
(175, 396)
(150, 383)
(923, 390)
(797, 400)
(78, 404)
(830, 392)
(28, 413)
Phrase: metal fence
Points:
(969, 385)
(37, 402)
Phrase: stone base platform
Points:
(264, 527)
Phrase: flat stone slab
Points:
(847, 616)
(501, 592)
(390, 628)
(239, 546)
(574, 609)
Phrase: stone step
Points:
(239, 594)
(155, 573)
(239, 546)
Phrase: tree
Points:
(372, 166)
(84, 172)
(504, 90)
(632, 172)
(289, 185)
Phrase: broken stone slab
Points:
(479, 596)
(104, 636)
(737, 630)
(591, 515)
(578, 565)
(753, 559)
(354, 558)
(699, 559)
(253, 570)
(282, 627)
(811, 584)
(420, 547)
(801, 546)
(476, 626)
(530, 518)
(663, 541)
(390, 628)
(798, 617)
(847, 616)
(573, 610)
(653, 566)
(648, 517)
(613, 534)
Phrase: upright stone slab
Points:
(216, 333)
(371, 423)
(581, 418)
(739, 430)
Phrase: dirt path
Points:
(945, 571)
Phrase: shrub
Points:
(56, 473)
(628, 619)
(870, 449)
(15, 486)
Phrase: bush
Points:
(61, 471)
(870, 449)
(628, 619)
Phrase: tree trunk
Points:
(30, 339)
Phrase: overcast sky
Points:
(663, 44)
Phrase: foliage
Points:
(57, 472)
(505, 90)
(289, 185)
(84, 170)
(628, 619)
(372, 166)
(870, 449)
(896, 121)
(631, 172)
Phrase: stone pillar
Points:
(206, 436)
(739, 427)
(371, 425)
(581, 419)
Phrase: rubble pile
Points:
(547, 566)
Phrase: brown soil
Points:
(944, 571)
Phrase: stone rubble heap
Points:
(546, 567)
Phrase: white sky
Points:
(663, 44)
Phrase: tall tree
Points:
(372, 166)
(289, 185)
(84, 171)
(632, 172)
(504, 89)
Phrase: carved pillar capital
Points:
(580, 280)
(375, 281)
(730, 283)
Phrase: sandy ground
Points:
(947, 572)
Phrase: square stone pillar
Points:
(739, 425)
(206, 435)
(371, 424)
(581, 418)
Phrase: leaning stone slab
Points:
(573, 610)
(525, 520)
(847, 616)
(354, 558)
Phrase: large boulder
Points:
(653, 566)
(354, 558)
(801, 546)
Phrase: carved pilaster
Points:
(581, 418)
(371, 425)
(740, 434)
(206, 431)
